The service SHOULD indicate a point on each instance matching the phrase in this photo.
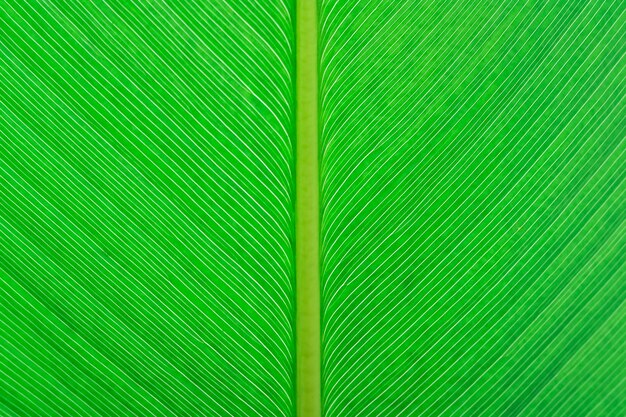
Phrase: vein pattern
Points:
(473, 208)
(146, 221)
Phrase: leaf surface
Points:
(473, 208)
(146, 228)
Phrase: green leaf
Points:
(147, 194)
(473, 203)
(472, 213)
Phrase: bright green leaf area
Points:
(146, 221)
(472, 215)
(473, 208)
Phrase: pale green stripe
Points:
(307, 215)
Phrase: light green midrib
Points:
(308, 379)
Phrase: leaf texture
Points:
(473, 208)
(147, 193)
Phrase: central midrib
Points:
(308, 349)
